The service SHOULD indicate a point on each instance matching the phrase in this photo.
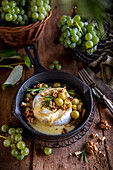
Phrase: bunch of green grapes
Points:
(78, 34)
(14, 141)
(23, 12)
(38, 9)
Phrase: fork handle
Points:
(108, 103)
(103, 98)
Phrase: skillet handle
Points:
(38, 68)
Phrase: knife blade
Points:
(100, 84)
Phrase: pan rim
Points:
(25, 124)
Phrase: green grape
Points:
(19, 18)
(91, 24)
(21, 145)
(13, 136)
(95, 40)
(72, 45)
(90, 28)
(59, 24)
(25, 18)
(11, 131)
(22, 23)
(12, 4)
(41, 9)
(47, 8)
(35, 15)
(77, 18)
(11, 10)
(61, 40)
(90, 52)
(55, 62)
(34, 8)
(29, 14)
(47, 151)
(66, 45)
(46, 1)
(64, 16)
(92, 32)
(15, 152)
(45, 13)
(58, 67)
(84, 29)
(89, 44)
(8, 17)
(88, 36)
(41, 16)
(14, 17)
(17, 10)
(51, 66)
(6, 8)
(66, 34)
(75, 38)
(74, 31)
(20, 157)
(94, 48)
(22, 12)
(4, 128)
(70, 22)
(81, 24)
(64, 28)
(67, 41)
(4, 2)
(2, 15)
(79, 42)
(16, 22)
(63, 21)
(79, 34)
(40, 2)
(33, 2)
(7, 142)
(23, 3)
(18, 137)
(25, 151)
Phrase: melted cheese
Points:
(45, 115)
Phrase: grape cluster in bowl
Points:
(78, 34)
(23, 12)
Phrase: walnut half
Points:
(91, 148)
(103, 124)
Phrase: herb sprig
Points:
(82, 155)
(46, 101)
(38, 89)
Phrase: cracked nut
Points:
(104, 125)
(91, 148)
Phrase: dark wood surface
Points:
(59, 159)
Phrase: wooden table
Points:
(59, 159)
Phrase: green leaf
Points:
(27, 61)
(14, 77)
(6, 53)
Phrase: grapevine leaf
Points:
(14, 77)
(6, 53)
(27, 61)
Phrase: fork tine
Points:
(81, 75)
(88, 76)
(85, 76)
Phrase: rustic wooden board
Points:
(59, 160)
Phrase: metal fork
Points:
(86, 78)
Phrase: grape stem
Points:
(3, 137)
(11, 65)
(79, 28)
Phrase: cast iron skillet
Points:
(43, 75)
